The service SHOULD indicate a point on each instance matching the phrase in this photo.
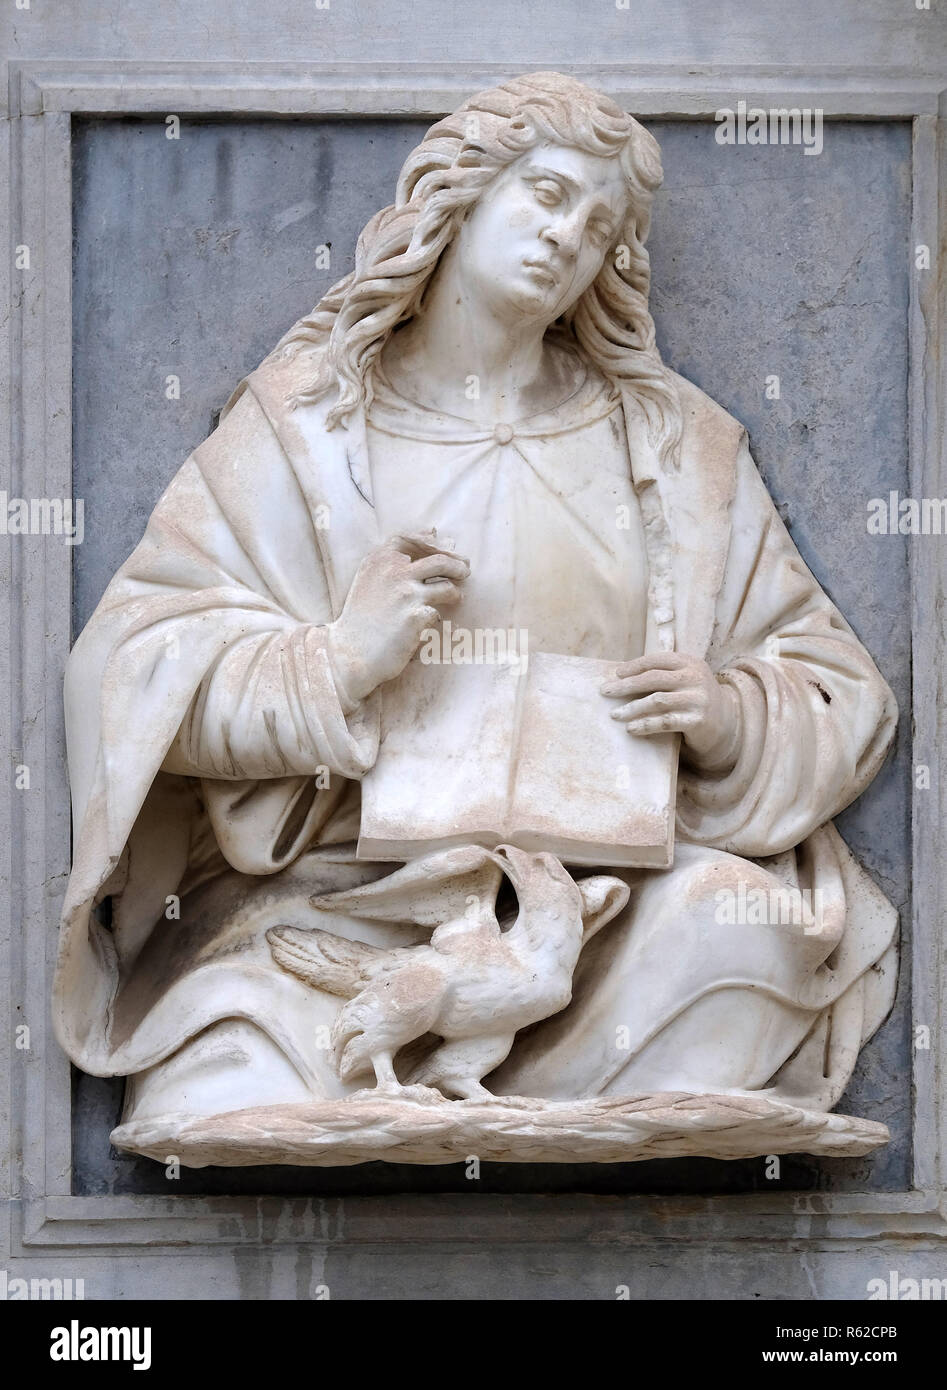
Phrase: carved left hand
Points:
(672, 693)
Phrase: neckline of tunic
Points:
(593, 398)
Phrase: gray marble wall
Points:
(192, 256)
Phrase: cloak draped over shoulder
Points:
(203, 710)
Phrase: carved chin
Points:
(535, 297)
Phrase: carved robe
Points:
(215, 756)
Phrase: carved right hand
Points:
(395, 595)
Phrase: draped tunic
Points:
(215, 757)
(544, 510)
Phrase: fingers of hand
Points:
(664, 724)
(667, 724)
(418, 545)
(647, 683)
(654, 661)
(440, 591)
(661, 703)
(426, 617)
(434, 567)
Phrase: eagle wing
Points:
(334, 963)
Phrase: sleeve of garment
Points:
(816, 716)
(208, 657)
(272, 707)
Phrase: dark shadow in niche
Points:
(799, 271)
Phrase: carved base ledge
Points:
(419, 1126)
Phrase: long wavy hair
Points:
(399, 249)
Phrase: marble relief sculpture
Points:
(339, 893)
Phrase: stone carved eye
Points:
(600, 232)
(548, 192)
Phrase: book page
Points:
(443, 767)
(581, 779)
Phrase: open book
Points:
(497, 753)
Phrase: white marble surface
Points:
(223, 706)
(717, 1246)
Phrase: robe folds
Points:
(215, 758)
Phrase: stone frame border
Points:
(35, 455)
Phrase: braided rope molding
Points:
(420, 1126)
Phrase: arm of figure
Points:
(788, 719)
(292, 701)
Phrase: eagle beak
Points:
(522, 867)
(514, 862)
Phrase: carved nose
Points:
(561, 239)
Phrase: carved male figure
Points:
(475, 423)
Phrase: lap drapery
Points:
(669, 996)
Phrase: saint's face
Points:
(539, 235)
